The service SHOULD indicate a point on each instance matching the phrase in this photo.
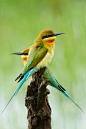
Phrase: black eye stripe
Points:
(47, 36)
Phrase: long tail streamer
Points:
(26, 76)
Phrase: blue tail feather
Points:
(26, 76)
(53, 82)
(71, 100)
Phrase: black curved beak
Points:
(17, 53)
(55, 34)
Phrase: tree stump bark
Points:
(36, 101)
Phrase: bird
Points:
(40, 55)
(48, 75)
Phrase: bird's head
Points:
(24, 55)
(48, 36)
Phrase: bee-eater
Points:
(40, 55)
(47, 75)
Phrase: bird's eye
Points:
(45, 36)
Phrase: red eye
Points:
(47, 36)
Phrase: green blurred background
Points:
(20, 23)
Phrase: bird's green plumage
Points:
(35, 56)
(52, 81)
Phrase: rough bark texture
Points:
(36, 101)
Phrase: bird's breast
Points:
(46, 60)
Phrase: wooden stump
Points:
(36, 101)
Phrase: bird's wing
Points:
(53, 82)
(35, 56)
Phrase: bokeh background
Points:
(20, 23)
